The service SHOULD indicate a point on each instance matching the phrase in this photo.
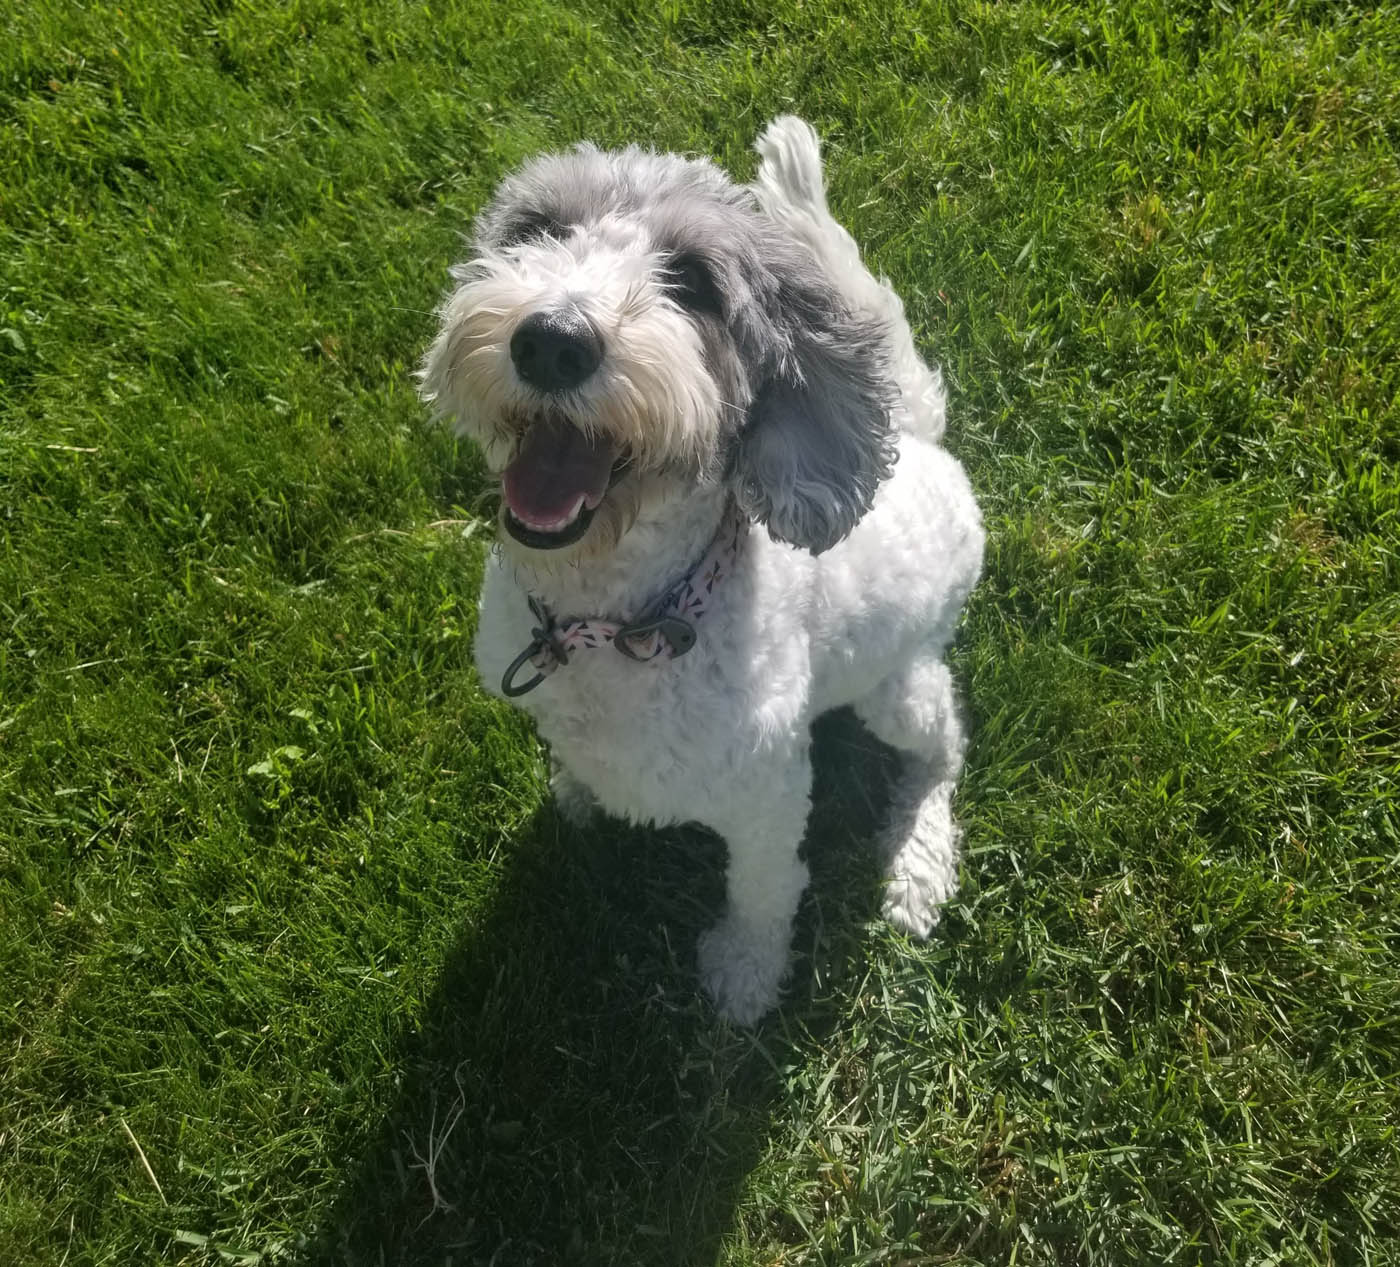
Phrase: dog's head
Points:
(632, 325)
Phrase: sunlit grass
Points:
(297, 963)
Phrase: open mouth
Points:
(556, 481)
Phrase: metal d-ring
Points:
(680, 634)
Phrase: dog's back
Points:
(790, 189)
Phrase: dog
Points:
(725, 509)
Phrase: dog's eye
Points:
(691, 285)
(529, 228)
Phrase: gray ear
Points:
(818, 439)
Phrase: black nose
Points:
(555, 351)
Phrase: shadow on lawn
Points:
(567, 1097)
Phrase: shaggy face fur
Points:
(649, 355)
(725, 352)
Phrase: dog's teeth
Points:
(552, 525)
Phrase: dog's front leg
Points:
(744, 957)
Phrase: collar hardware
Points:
(676, 633)
(542, 641)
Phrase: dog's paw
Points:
(912, 905)
(572, 799)
(923, 869)
(741, 968)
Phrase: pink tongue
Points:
(555, 467)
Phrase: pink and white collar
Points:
(667, 633)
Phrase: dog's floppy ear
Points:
(818, 438)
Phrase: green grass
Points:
(297, 963)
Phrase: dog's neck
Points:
(668, 538)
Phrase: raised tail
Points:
(790, 188)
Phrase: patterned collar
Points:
(665, 634)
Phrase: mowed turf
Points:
(297, 964)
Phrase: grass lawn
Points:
(296, 962)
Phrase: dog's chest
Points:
(639, 735)
(653, 741)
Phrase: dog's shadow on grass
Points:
(567, 1096)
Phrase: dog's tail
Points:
(790, 189)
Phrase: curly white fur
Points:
(720, 736)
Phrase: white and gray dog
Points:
(653, 358)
